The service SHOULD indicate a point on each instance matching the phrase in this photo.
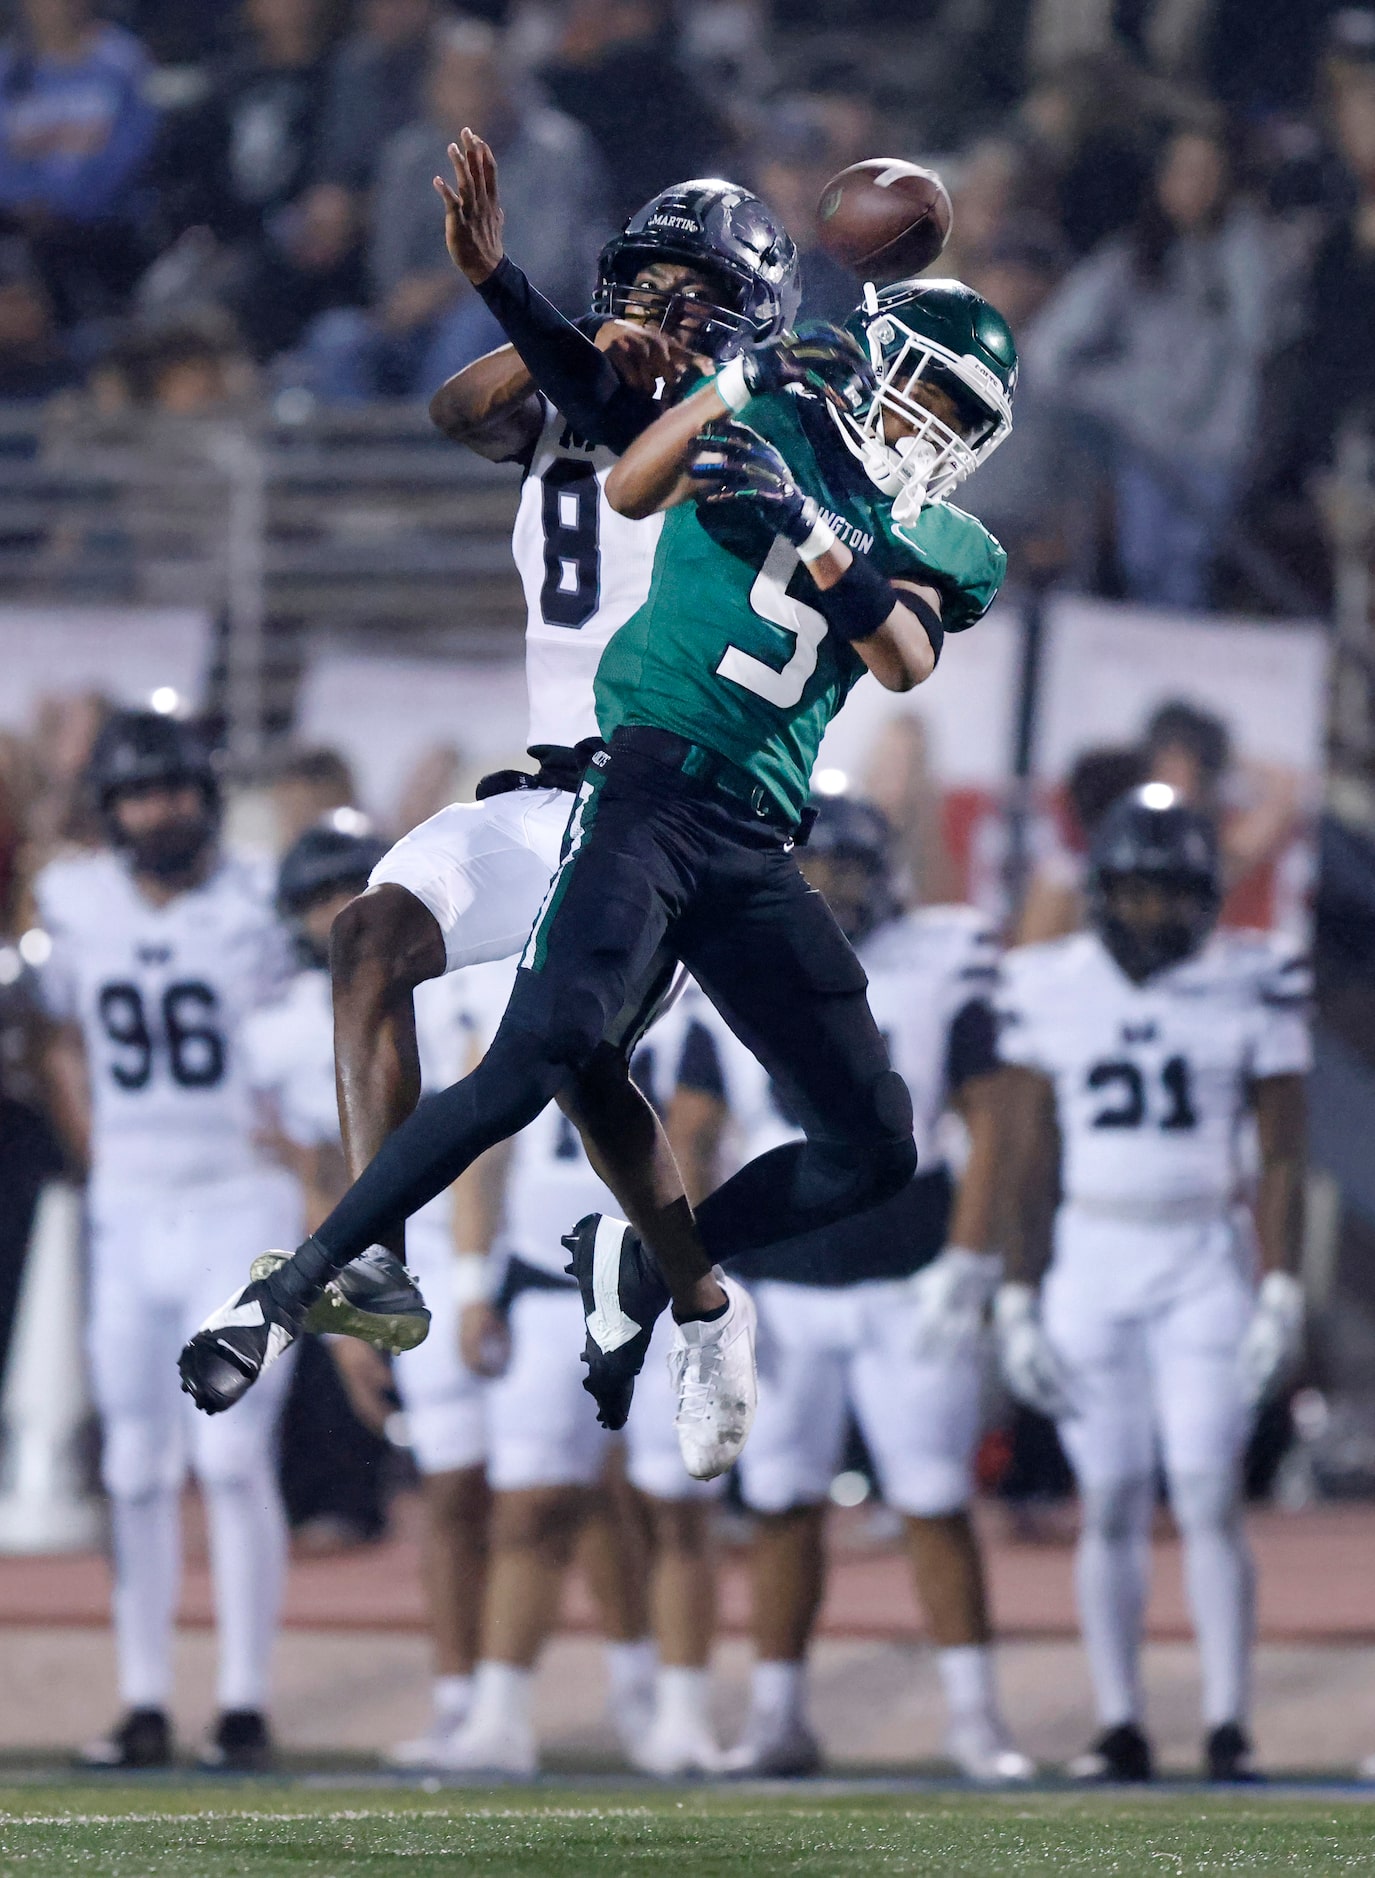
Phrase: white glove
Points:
(1031, 1368)
(949, 1298)
(1273, 1339)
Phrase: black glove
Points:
(821, 358)
(739, 465)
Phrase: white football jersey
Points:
(584, 569)
(925, 970)
(550, 1184)
(1151, 1081)
(162, 996)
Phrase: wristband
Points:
(729, 384)
(819, 540)
(471, 1279)
(859, 602)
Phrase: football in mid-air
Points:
(885, 218)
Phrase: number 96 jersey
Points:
(160, 995)
(1152, 1081)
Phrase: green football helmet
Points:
(943, 333)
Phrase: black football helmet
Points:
(137, 752)
(324, 860)
(734, 240)
(1150, 835)
(846, 829)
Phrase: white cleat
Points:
(785, 1749)
(981, 1748)
(711, 1368)
(427, 1751)
(509, 1750)
(672, 1753)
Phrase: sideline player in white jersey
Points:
(161, 949)
(1150, 1044)
(291, 1050)
(546, 1451)
(701, 269)
(882, 1316)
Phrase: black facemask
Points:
(171, 851)
(1141, 952)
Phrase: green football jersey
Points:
(728, 652)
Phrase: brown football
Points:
(885, 218)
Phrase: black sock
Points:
(703, 1317)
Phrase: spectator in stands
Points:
(34, 357)
(1159, 337)
(795, 157)
(1336, 383)
(426, 321)
(376, 87)
(615, 71)
(185, 367)
(76, 129)
(243, 162)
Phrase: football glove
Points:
(822, 358)
(1031, 1367)
(949, 1298)
(1273, 1339)
(739, 465)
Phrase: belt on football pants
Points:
(715, 773)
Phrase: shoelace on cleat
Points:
(697, 1377)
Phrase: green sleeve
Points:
(955, 554)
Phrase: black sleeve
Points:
(972, 1047)
(699, 1066)
(578, 380)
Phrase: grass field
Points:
(197, 1830)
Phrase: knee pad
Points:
(889, 1152)
(1117, 1509)
(139, 1459)
(1206, 1502)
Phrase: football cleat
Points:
(981, 1748)
(672, 1750)
(716, 1389)
(426, 1752)
(1227, 1756)
(623, 1297)
(374, 1297)
(239, 1744)
(234, 1346)
(1119, 1754)
(774, 1748)
(505, 1747)
(141, 1738)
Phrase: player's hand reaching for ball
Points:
(824, 359)
(473, 215)
(642, 355)
(734, 464)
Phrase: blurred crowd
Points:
(1173, 201)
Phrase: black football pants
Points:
(658, 867)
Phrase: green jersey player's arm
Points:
(1281, 1125)
(652, 475)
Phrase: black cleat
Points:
(1119, 1754)
(623, 1297)
(374, 1297)
(141, 1738)
(1227, 1756)
(234, 1346)
(239, 1744)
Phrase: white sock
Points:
(778, 1691)
(1220, 1577)
(682, 1699)
(630, 1670)
(966, 1672)
(147, 1570)
(502, 1698)
(1112, 1573)
(452, 1696)
(248, 1558)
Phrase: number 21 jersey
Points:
(584, 569)
(161, 995)
(1151, 1081)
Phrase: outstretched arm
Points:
(605, 388)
